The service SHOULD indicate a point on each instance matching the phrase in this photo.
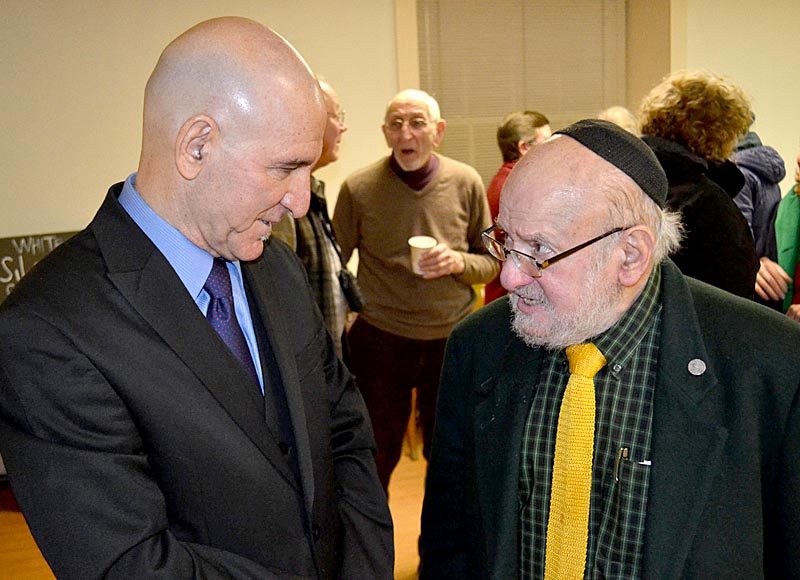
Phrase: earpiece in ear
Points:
(196, 155)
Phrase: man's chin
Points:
(532, 330)
(546, 332)
(409, 163)
(530, 338)
(250, 251)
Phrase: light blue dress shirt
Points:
(192, 264)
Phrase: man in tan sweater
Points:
(397, 342)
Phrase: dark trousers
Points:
(387, 367)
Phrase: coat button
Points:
(284, 448)
(316, 532)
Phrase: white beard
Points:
(595, 313)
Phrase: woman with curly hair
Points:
(692, 121)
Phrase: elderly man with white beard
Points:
(611, 418)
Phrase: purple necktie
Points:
(222, 316)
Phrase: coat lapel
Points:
(501, 409)
(260, 277)
(147, 281)
(688, 440)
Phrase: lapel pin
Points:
(696, 367)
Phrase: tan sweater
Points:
(376, 212)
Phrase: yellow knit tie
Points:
(568, 523)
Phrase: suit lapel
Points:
(260, 277)
(687, 440)
(501, 409)
(144, 277)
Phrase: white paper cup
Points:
(419, 245)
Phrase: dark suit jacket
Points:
(724, 498)
(138, 448)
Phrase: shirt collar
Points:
(619, 342)
(192, 264)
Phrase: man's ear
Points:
(522, 147)
(441, 125)
(193, 145)
(637, 246)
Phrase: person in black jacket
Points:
(692, 121)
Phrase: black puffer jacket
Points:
(718, 247)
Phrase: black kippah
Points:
(624, 151)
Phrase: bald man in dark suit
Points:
(156, 424)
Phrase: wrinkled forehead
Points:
(558, 164)
(553, 186)
(407, 108)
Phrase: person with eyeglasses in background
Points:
(518, 132)
(611, 417)
(312, 236)
(397, 341)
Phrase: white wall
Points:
(756, 45)
(74, 73)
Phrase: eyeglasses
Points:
(495, 238)
(338, 116)
(415, 124)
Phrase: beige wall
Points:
(647, 47)
(757, 46)
(74, 72)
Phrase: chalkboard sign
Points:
(18, 255)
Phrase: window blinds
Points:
(483, 60)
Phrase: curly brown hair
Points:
(704, 112)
